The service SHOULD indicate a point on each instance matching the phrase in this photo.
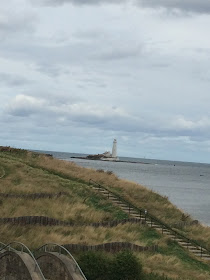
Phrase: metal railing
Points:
(154, 219)
(46, 248)
(10, 248)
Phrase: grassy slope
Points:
(27, 173)
(156, 204)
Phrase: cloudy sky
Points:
(75, 74)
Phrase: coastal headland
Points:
(46, 200)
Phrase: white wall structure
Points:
(114, 149)
(105, 154)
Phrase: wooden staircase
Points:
(192, 246)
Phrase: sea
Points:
(186, 184)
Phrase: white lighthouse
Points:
(114, 149)
(111, 156)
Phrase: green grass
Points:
(98, 203)
(151, 235)
(173, 249)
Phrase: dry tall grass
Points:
(35, 236)
(61, 209)
(141, 196)
(168, 265)
(76, 206)
(172, 267)
(29, 173)
(138, 194)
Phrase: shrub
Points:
(126, 267)
(99, 266)
(95, 265)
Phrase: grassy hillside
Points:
(23, 172)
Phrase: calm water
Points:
(187, 185)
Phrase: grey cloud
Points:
(13, 80)
(89, 115)
(59, 98)
(160, 65)
(201, 6)
(50, 69)
(52, 61)
(118, 54)
(107, 46)
(93, 34)
(16, 23)
(24, 106)
(105, 118)
(48, 59)
(76, 2)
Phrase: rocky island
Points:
(107, 156)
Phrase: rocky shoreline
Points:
(93, 158)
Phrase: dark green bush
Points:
(99, 266)
(95, 265)
(126, 266)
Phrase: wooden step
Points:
(154, 225)
(159, 227)
(100, 190)
(134, 213)
(206, 258)
(166, 231)
(202, 256)
(113, 198)
(190, 247)
(125, 210)
(187, 245)
(180, 241)
(122, 205)
(195, 251)
(116, 202)
(136, 216)
(104, 192)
